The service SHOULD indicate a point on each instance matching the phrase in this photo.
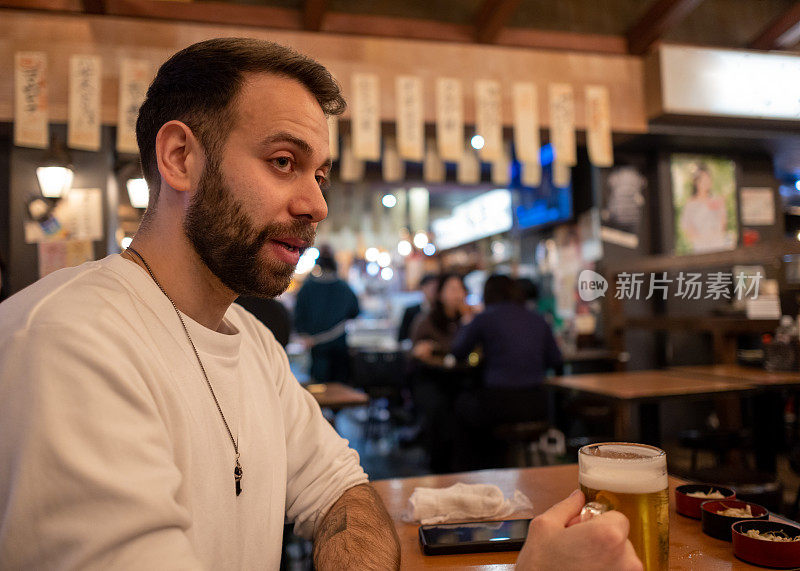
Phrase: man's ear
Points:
(179, 155)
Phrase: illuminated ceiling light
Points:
(387, 274)
(373, 269)
(797, 184)
(138, 193)
(55, 182)
(429, 249)
(389, 200)
(371, 255)
(404, 247)
(420, 239)
(477, 142)
(55, 175)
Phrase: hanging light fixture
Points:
(55, 173)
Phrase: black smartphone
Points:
(473, 537)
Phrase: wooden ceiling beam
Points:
(207, 12)
(94, 6)
(658, 20)
(332, 22)
(783, 32)
(393, 27)
(567, 41)
(314, 14)
(491, 17)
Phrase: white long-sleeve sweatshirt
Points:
(112, 452)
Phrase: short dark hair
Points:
(198, 84)
(500, 288)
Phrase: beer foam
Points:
(624, 469)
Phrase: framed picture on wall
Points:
(704, 203)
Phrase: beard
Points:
(230, 245)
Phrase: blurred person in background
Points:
(271, 313)
(518, 348)
(435, 382)
(324, 305)
(428, 286)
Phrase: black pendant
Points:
(237, 475)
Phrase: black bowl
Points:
(719, 526)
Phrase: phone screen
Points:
(477, 536)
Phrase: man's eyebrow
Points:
(284, 137)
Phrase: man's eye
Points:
(323, 181)
(282, 162)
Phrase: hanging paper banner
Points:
(333, 136)
(392, 166)
(526, 122)
(134, 78)
(351, 169)
(501, 168)
(598, 126)
(410, 118)
(468, 169)
(366, 120)
(433, 169)
(562, 123)
(419, 206)
(30, 100)
(449, 119)
(489, 119)
(562, 174)
(531, 174)
(83, 117)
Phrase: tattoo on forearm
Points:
(335, 523)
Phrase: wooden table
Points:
(629, 389)
(689, 547)
(767, 404)
(744, 375)
(337, 396)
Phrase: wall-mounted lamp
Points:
(55, 175)
(138, 193)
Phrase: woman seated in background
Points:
(435, 383)
(518, 348)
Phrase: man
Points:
(427, 286)
(324, 305)
(148, 423)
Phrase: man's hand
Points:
(357, 533)
(600, 543)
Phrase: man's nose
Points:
(309, 203)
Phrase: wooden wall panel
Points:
(114, 38)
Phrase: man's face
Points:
(257, 206)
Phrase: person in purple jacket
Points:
(518, 348)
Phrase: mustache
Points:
(296, 229)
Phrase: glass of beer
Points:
(631, 478)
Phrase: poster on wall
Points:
(704, 202)
(30, 100)
(78, 216)
(623, 203)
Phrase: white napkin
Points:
(462, 502)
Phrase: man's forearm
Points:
(357, 533)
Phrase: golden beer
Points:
(632, 479)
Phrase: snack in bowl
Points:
(689, 497)
(767, 543)
(718, 515)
